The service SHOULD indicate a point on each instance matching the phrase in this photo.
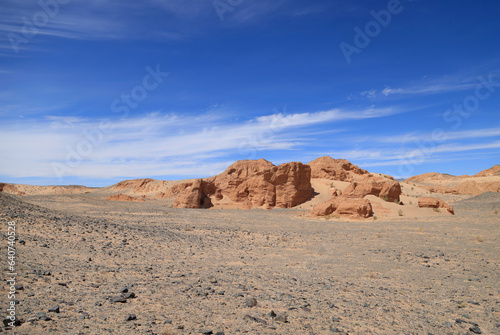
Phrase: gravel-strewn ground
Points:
(197, 271)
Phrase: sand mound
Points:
(484, 181)
(430, 176)
(122, 197)
(20, 189)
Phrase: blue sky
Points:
(93, 92)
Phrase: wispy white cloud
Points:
(431, 86)
(432, 89)
(439, 136)
(370, 94)
(395, 155)
(96, 20)
(158, 143)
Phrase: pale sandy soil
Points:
(193, 270)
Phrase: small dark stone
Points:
(7, 322)
(131, 317)
(129, 295)
(271, 314)
(44, 318)
(207, 332)
(219, 333)
(251, 302)
(334, 319)
(281, 318)
(54, 309)
(118, 299)
(475, 330)
(251, 318)
(473, 302)
(124, 290)
(306, 309)
(19, 287)
(83, 316)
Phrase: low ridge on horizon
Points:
(492, 171)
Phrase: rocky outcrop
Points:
(352, 207)
(334, 169)
(141, 186)
(427, 202)
(196, 195)
(123, 197)
(467, 187)
(429, 176)
(10, 189)
(475, 188)
(493, 171)
(252, 183)
(387, 189)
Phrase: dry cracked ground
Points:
(88, 266)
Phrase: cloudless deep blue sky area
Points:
(94, 92)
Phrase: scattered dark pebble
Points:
(54, 309)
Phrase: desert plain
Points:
(154, 265)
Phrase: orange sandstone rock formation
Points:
(434, 203)
(334, 169)
(251, 183)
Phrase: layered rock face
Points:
(334, 169)
(141, 186)
(467, 187)
(251, 183)
(353, 207)
(122, 197)
(387, 189)
(434, 203)
(195, 195)
(351, 202)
